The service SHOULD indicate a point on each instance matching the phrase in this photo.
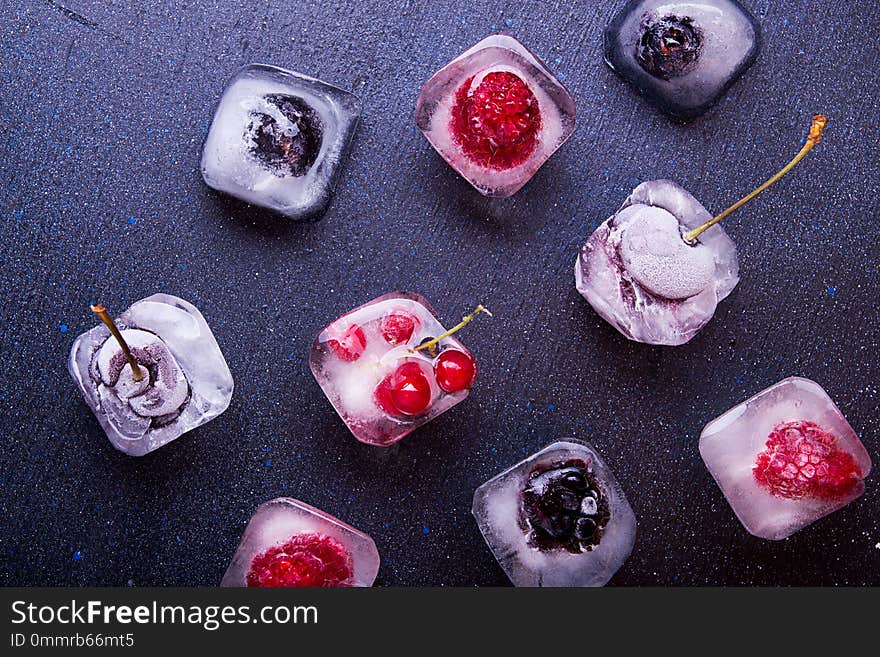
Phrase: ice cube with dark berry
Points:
(279, 140)
(371, 365)
(683, 56)
(289, 544)
(557, 518)
(495, 113)
(641, 276)
(785, 458)
(185, 380)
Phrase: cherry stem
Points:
(101, 312)
(464, 322)
(815, 136)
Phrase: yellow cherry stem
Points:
(815, 136)
(464, 322)
(101, 312)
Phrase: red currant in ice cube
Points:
(455, 370)
(801, 460)
(350, 345)
(304, 560)
(496, 122)
(406, 391)
(397, 327)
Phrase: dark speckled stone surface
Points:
(103, 109)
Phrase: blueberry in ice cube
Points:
(683, 56)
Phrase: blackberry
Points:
(289, 146)
(669, 47)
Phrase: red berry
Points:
(406, 391)
(397, 327)
(801, 460)
(497, 123)
(455, 370)
(350, 345)
(304, 560)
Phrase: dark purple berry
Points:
(669, 46)
(563, 507)
(288, 146)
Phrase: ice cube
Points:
(381, 387)
(188, 382)
(278, 140)
(288, 543)
(683, 56)
(495, 113)
(558, 518)
(641, 276)
(785, 458)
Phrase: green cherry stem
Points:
(101, 312)
(815, 136)
(464, 322)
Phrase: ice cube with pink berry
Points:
(288, 543)
(390, 366)
(495, 113)
(785, 458)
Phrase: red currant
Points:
(406, 391)
(350, 345)
(304, 560)
(397, 327)
(455, 370)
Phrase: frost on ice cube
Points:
(495, 113)
(683, 56)
(278, 140)
(642, 277)
(288, 543)
(558, 518)
(366, 364)
(785, 458)
(186, 382)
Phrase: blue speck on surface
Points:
(508, 22)
(131, 220)
(832, 291)
(551, 407)
(63, 328)
(268, 463)
(425, 530)
(77, 556)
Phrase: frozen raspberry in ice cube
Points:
(392, 387)
(683, 56)
(785, 458)
(495, 114)
(184, 382)
(558, 518)
(288, 543)
(278, 140)
(640, 275)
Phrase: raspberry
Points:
(497, 123)
(802, 460)
(304, 560)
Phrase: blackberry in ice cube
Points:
(557, 518)
(290, 544)
(495, 113)
(683, 56)
(785, 458)
(151, 375)
(278, 140)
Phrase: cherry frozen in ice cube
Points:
(288, 543)
(557, 518)
(657, 269)
(159, 374)
(278, 140)
(495, 113)
(389, 367)
(785, 458)
(683, 56)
